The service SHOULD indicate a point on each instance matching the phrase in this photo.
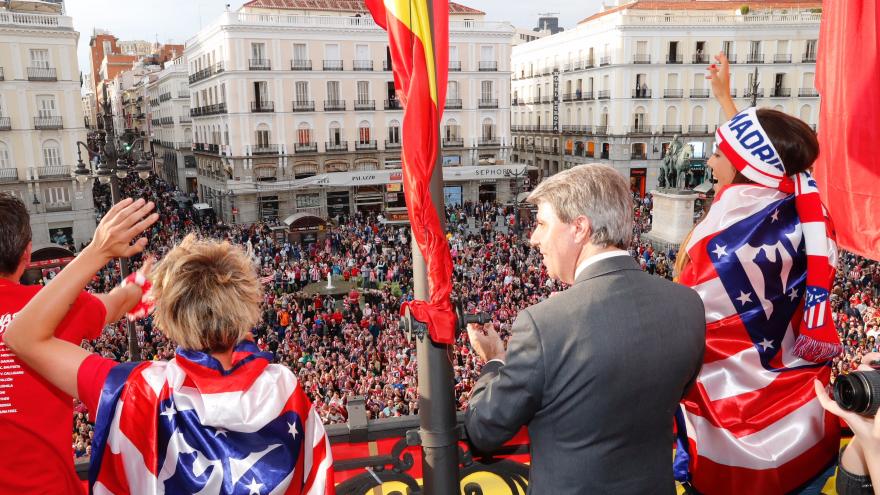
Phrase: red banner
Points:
(419, 55)
(848, 79)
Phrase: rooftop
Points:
(338, 6)
(708, 5)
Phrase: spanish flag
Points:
(418, 37)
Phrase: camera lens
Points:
(858, 392)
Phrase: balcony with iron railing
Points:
(699, 93)
(48, 123)
(453, 103)
(455, 65)
(731, 58)
(600, 130)
(673, 93)
(54, 172)
(42, 74)
(641, 93)
(334, 105)
(184, 119)
(488, 141)
(808, 58)
(154, 102)
(546, 99)
(207, 110)
(639, 129)
(641, 58)
(2, 74)
(365, 145)
(165, 96)
(700, 58)
(300, 64)
(311, 147)
(259, 64)
(336, 146)
(747, 93)
(604, 94)
(487, 103)
(5, 123)
(364, 104)
(488, 65)
(8, 175)
(183, 94)
(808, 93)
(364, 65)
(755, 58)
(332, 65)
(453, 142)
(671, 129)
(780, 93)
(606, 60)
(577, 129)
(303, 105)
(265, 149)
(393, 104)
(676, 58)
(392, 144)
(261, 106)
(698, 129)
(782, 58)
(166, 120)
(638, 155)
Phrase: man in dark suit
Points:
(596, 371)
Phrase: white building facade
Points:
(41, 120)
(617, 88)
(171, 125)
(286, 93)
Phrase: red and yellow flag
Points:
(418, 37)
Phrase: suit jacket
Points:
(596, 373)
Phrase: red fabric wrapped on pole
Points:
(848, 80)
(420, 64)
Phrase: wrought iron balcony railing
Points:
(699, 93)
(265, 149)
(392, 144)
(639, 129)
(365, 145)
(54, 172)
(334, 105)
(305, 147)
(48, 123)
(42, 74)
(5, 123)
(755, 58)
(489, 142)
(303, 105)
(364, 104)
(487, 103)
(780, 93)
(453, 103)
(262, 106)
(259, 64)
(700, 58)
(782, 58)
(300, 64)
(8, 175)
(393, 104)
(698, 129)
(808, 93)
(333, 65)
(674, 59)
(455, 65)
(673, 93)
(641, 93)
(453, 142)
(604, 94)
(488, 66)
(671, 129)
(362, 65)
(336, 146)
(641, 58)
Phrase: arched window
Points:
(697, 118)
(51, 153)
(488, 129)
(335, 134)
(806, 113)
(451, 131)
(304, 134)
(4, 156)
(394, 132)
(671, 116)
(364, 132)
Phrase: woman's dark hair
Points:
(15, 232)
(793, 139)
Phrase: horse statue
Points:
(676, 164)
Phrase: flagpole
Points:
(437, 421)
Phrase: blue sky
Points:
(175, 21)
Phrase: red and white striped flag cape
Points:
(188, 426)
(753, 421)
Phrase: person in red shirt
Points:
(35, 417)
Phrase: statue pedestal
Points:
(672, 216)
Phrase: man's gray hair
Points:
(596, 191)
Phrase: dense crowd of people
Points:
(356, 346)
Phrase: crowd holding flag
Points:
(418, 37)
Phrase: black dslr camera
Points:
(859, 392)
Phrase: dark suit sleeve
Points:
(507, 397)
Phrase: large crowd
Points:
(356, 346)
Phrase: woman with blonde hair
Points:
(219, 417)
(763, 261)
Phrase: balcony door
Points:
(261, 92)
(45, 106)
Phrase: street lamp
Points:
(113, 164)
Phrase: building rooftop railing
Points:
(36, 20)
(683, 19)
